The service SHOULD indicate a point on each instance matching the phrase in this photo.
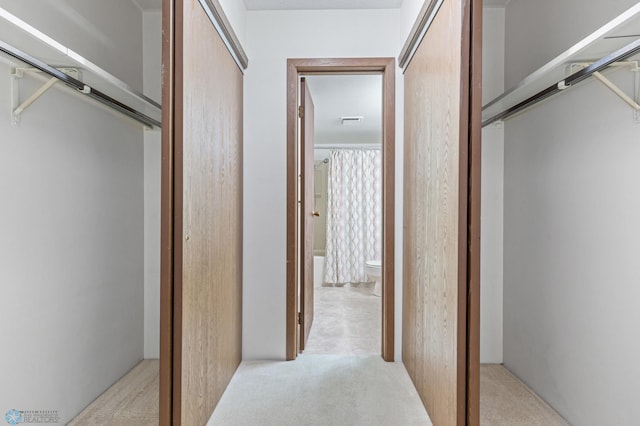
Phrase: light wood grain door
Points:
(307, 209)
(201, 335)
(441, 216)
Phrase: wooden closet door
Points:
(438, 243)
(202, 261)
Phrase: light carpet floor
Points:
(347, 320)
(506, 401)
(133, 400)
(320, 390)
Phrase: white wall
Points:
(571, 234)
(491, 319)
(152, 58)
(236, 13)
(71, 251)
(152, 61)
(106, 33)
(272, 37)
(565, 22)
(408, 15)
(492, 192)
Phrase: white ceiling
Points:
(346, 95)
(312, 4)
(321, 4)
(297, 4)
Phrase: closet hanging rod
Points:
(79, 85)
(575, 78)
(75, 57)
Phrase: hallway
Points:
(320, 390)
(340, 379)
(360, 390)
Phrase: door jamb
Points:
(385, 66)
(473, 18)
(169, 392)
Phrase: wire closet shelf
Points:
(32, 52)
(613, 45)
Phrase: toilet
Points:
(373, 269)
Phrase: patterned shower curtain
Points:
(354, 214)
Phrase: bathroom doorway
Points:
(347, 214)
(352, 135)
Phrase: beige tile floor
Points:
(347, 321)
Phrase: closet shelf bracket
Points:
(18, 107)
(633, 102)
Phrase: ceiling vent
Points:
(351, 121)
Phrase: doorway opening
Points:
(346, 212)
(303, 215)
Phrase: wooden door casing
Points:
(295, 68)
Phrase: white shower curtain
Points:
(354, 214)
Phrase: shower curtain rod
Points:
(349, 146)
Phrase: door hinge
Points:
(301, 111)
(300, 318)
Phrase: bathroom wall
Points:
(71, 252)
(571, 234)
(318, 33)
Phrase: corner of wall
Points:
(236, 12)
(492, 209)
(152, 63)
